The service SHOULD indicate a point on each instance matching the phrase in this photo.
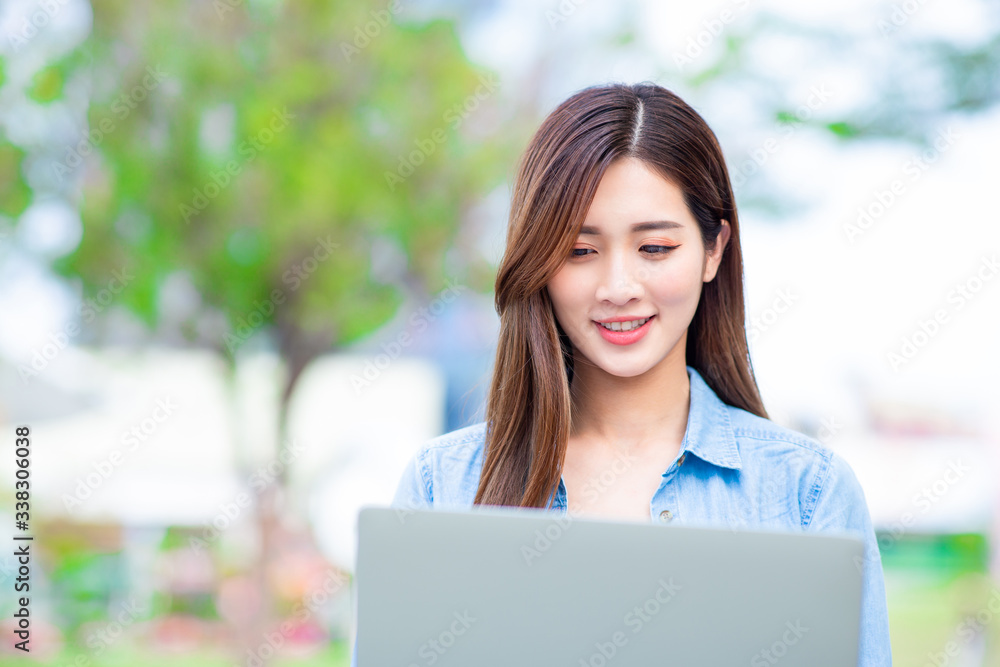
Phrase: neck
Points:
(631, 412)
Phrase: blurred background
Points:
(247, 249)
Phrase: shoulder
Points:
(823, 480)
(469, 435)
(461, 443)
(445, 470)
(757, 434)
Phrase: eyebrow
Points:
(639, 226)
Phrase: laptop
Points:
(499, 587)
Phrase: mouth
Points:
(628, 325)
(624, 333)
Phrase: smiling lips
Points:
(624, 332)
(626, 325)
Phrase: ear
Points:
(713, 256)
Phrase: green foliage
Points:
(943, 554)
(84, 582)
(47, 85)
(14, 191)
(255, 161)
(842, 129)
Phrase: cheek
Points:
(562, 296)
(679, 287)
(567, 290)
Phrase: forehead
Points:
(630, 192)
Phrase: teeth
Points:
(624, 326)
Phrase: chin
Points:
(626, 370)
(628, 374)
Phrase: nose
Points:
(620, 282)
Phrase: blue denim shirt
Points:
(734, 469)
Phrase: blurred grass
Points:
(336, 655)
(923, 618)
(935, 586)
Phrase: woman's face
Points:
(639, 262)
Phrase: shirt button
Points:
(666, 515)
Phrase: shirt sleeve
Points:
(841, 506)
(414, 488)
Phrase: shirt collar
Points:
(709, 432)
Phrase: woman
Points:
(622, 386)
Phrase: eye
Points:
(581, 252)
(658, 249)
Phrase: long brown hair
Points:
(528, 410)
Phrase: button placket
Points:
(666, 496)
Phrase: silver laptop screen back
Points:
(496, 587)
